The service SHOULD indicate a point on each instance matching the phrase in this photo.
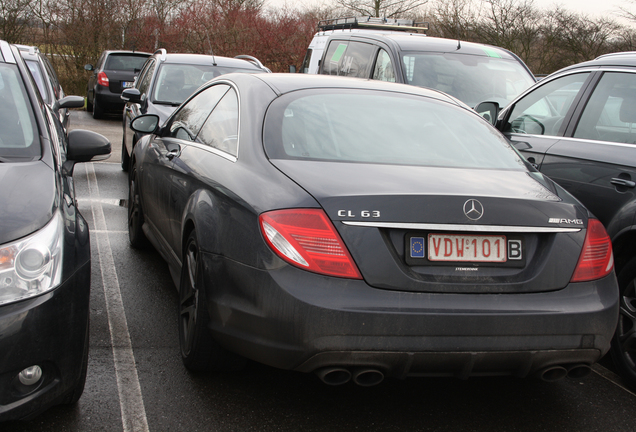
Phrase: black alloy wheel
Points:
(136, 234)
(624, 343)
(199, 351)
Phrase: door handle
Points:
(173, 154)
(623, 182)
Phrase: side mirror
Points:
(88, 67)
(292, 69)
(85, 146)
(69, 102)
(131, 95)
(145, 124)
(489, 111)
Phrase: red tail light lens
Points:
(102, 79)
(307, 239)
(596, 260)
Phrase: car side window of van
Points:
(352, 59)
(305, 66)
(383, 70)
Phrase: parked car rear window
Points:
(18, 134)
(471, 79)
(383, 127)
(127, 62)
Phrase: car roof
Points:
(203, 59)
(283, 83)
(421, 42)
(139, 53)
(621, 59)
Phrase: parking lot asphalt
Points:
(136, 381)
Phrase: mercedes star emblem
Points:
(473, 209)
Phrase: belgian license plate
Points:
(127, 84)
(467, 248)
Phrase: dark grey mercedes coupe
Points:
(360, 230)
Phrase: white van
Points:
(392, 50)
(328, 27)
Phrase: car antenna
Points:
(207, 36)
(459, 42)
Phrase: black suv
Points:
(45, 258)
(166, 80)
(115, 71)
(578, 126)
(388, 50)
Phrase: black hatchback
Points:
(115, 71)
(578, 126)
(45, 263)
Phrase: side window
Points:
(610, 113)
(305, 66)
(52, 76)
(220, 130)
(351, 59)
(143, 84)
(187, 122)
(542, 111)
(383, 70)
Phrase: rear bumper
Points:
(108, 99)
(49, 331)
(292, 319)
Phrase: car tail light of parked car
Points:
(102, 79)
(596, 259)
(307, 239)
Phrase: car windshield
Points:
(471, 79)
(175, 82)
(127, 62)
(383, 127)
(18, 134)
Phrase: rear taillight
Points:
(596, 260)
(307, 239)
(102, 79)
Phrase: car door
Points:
(188, 157)
(596, 159)
(537, 120)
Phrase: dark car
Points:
(48, 83)
(114, 71)
(360, 229)
(578, 126)
(374, 48)
(166, 80)
(45, 264)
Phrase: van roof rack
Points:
(369, 22)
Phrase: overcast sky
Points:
(591, 7)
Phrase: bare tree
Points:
(382, 8)
(14, 19)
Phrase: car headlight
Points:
(32, 265)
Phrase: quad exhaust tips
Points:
(555, 373)
(365, 377)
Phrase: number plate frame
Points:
(421, 256)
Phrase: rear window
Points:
(127, 62)
(18, 134)
(385, 128)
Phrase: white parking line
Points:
(610, 376)
(133, 412)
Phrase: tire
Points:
(136, 234)
(75, 393)
(623, 348)
(89, 105)
(98, 111)
(125, 158)
(199, 351)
